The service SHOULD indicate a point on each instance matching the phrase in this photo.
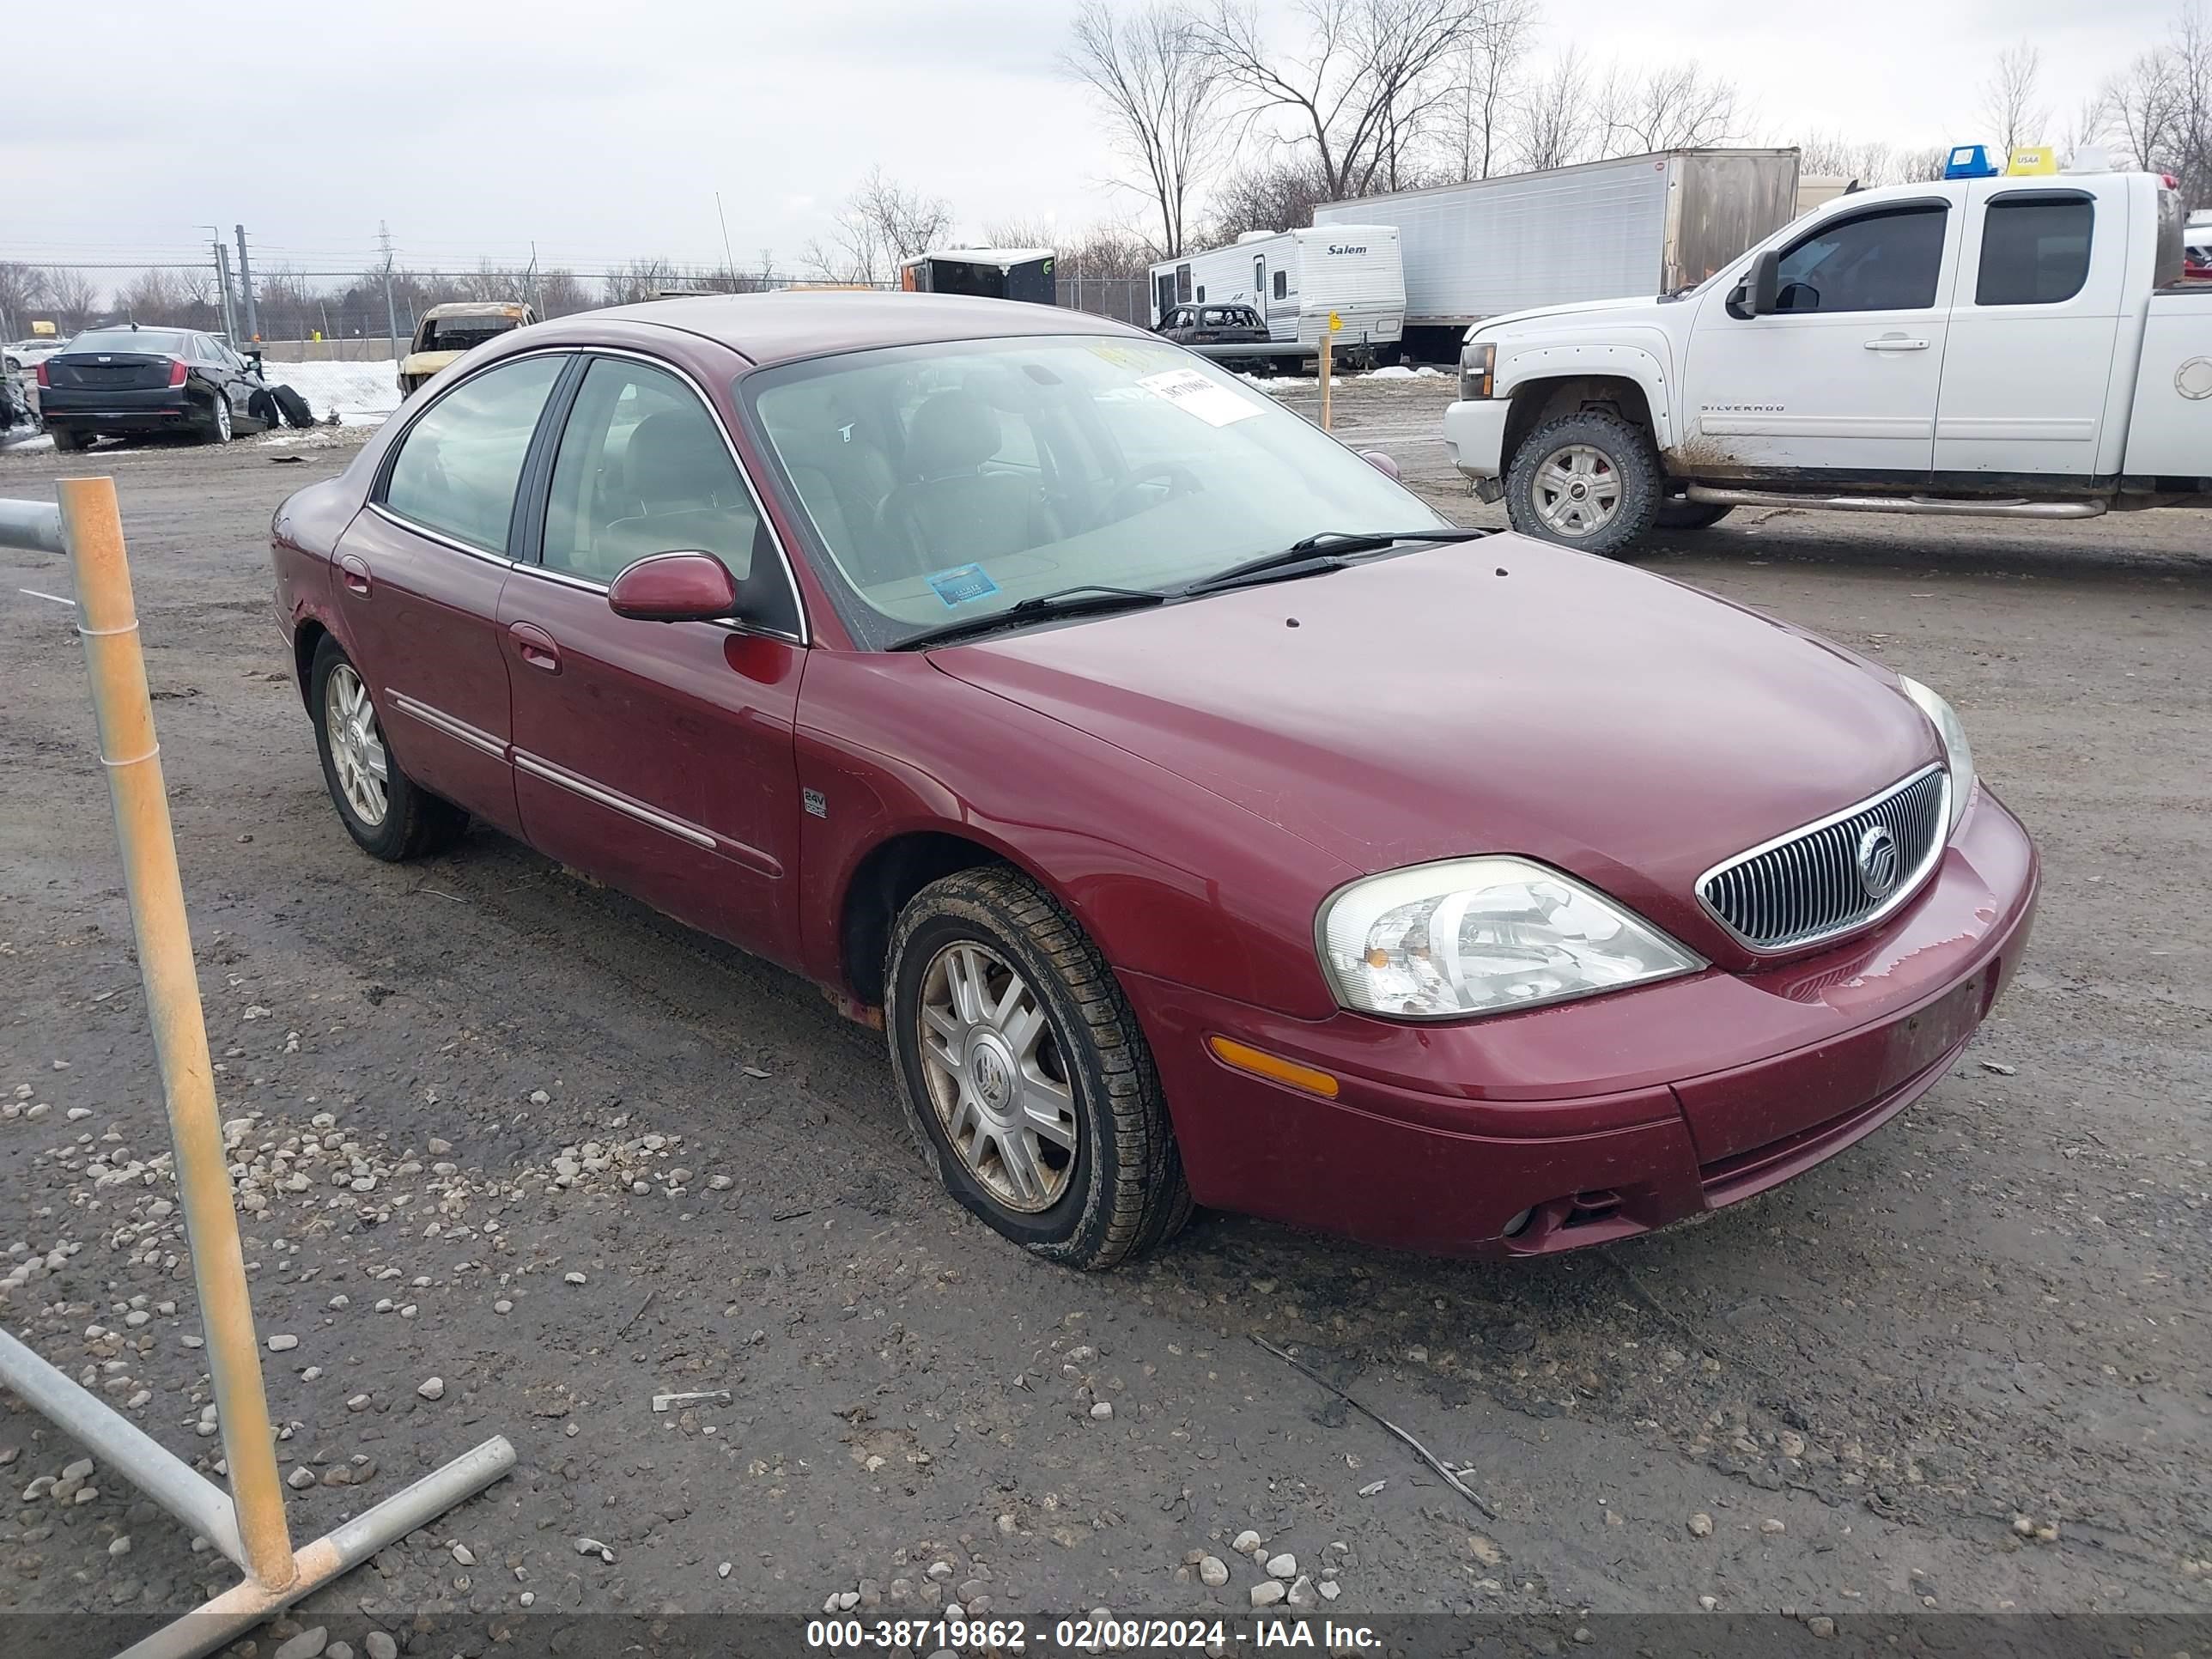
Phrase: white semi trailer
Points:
(1633, 228)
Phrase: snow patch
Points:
(359, 394)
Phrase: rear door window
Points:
(2035, 248)
(458, 466)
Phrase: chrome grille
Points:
(1807, 885)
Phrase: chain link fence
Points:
(354, 315)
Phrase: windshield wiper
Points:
(1064, 602)
(1323, 550)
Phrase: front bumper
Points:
(152, 408)
(1606, 1117)
(1474, 433)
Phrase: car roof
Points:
(780, 327)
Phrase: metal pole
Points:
(93, 528)
(35, 526)
(1327, 363)
(122, 1446)
(222, 286)
(236, 1611)
(246, 285)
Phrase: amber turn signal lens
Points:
(1273, 1067)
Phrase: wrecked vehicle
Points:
(2019, 346)
(444, 332)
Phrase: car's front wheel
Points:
(1589, 480)
(389, 814)
(1024, 1076)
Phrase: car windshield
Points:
(158, 341)
(949, 482)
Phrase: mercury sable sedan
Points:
(1201, 816)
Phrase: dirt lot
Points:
(457, 1085)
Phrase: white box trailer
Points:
(1632, 227)
(1296, 279)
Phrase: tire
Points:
(292, 406)
(217, 429)
(1118, 1191)
(413, 821)
(65, 439)
(1609, 458)
(1690, 515)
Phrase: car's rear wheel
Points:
(384, 810)
(67, 438)
(1589, 480)
(1024, 1076)
(217, 429)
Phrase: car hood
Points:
(1575, 308)
(1499, 696)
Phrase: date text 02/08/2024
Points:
(1088, 1635)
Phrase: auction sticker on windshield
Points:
(964, 584)
(1193, 394)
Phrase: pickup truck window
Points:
(2035, 248)
(1883, 261)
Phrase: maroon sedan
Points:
(1203, 818)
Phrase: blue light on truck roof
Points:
(1971, 161)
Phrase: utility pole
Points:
(391, 316)
(223, 288)
(246, 284)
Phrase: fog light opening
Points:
(1519, 1223)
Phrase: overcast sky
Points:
(604, 131)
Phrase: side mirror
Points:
(1757, 294)
(674, 588)
(1384, 463)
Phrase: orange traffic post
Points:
(92, 530)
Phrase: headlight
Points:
(1476, 362)
(1957, 753)
(1476, 936)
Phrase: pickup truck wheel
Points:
(1677, 514)
(1589, 481)
(386, 812)
(1024, 1076)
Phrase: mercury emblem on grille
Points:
(1878, 861)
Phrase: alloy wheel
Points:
(996, 1077)
(1577, 490)
(356, 745)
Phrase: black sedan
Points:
(142, 380)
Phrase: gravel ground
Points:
(517, 1155)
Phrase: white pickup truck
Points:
(2020, 347)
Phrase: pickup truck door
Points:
(1843, 377)
(2029, 370)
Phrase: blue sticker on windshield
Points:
(963, 585)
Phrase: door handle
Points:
(1896, 342)
(353, 571)
(535, 647)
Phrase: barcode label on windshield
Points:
(1193, 394)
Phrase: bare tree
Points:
(2010, 107)
(881, 223)
(2160, 106)
(1372, 79)
(639, 280)
(1555, 126)
(559, 293)
(1162, 91)
(1677, 106)
(71, 295)
(1920, 167)
(1833, 155)
(1480, 105)
(1279, 196)
(22, 291)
